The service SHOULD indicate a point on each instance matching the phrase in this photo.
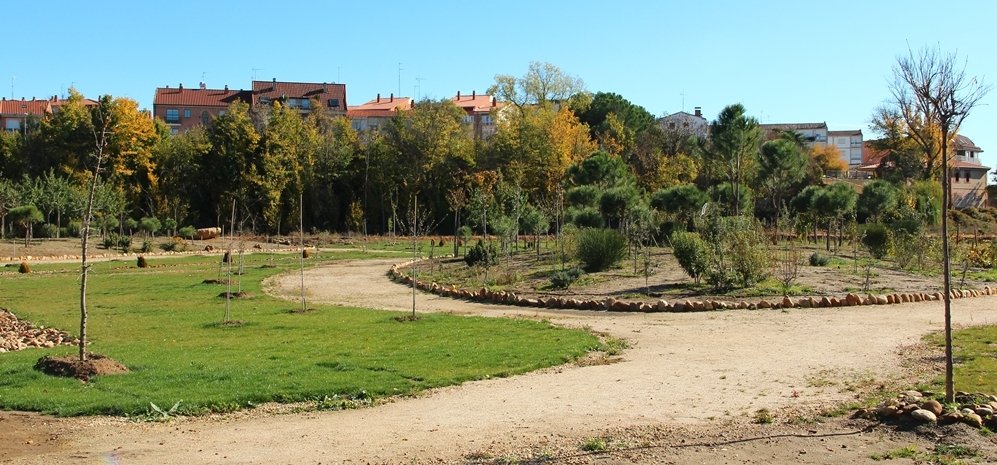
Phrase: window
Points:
(486, 119)
(671, 125)
(186, 113)
(172, 115)
(961, 153)
(333, 103)
(205, 118)
(12, 124)
(685, 125)
(966, 173)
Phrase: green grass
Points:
(985, 275)
(975, 356)
(162, 323)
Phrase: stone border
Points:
(614, 305)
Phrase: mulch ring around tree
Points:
(235, 295)
(71, 366)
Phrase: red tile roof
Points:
(475, 103)
(321, 91)
(34, 107)
(199, 97)
(389, 104)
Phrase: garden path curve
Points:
(685, 368)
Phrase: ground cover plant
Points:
(975, 358)
(163, 323)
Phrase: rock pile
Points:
(976, 410)
(17, 334)
(613, 305)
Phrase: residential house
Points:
(481, 113)
(183, 108)
(15, 115)
(969, 176)
(849, 144)
(813, 133)
(301, 95)
(373, 114)
(693, 124)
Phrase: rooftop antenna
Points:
(418, 88)
(339, 72)
(12, 87)
(399, 78)
(254, 72)
(683, 99)
(202, 76)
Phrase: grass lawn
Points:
(975, 357)
(162, 323)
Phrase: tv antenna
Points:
(683, 99)
(399, 78)
(418, 88)
(254, 72)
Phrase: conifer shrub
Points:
(24, 268)
(876, 240)
(819, 259)
(691, 252)
(141, 263)
(481, 255)
(600, 249)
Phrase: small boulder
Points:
(825, 302)
(787, 302)
(973, 420)
(933, 406)
(923, 416)
(881, 300)
(949, 418)
(662, 306)
(764, 304)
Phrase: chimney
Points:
(458, 95)
(181, 86)
(494, 102)
(392, 97)
(226, 87)
(474, 94)
(378, 97)
(203, 86)
(698, 111)
(274, 80)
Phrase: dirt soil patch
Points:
(71, 366)
(685, 391)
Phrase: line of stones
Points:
(611, 304)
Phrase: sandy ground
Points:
(689, 379)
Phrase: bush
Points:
(481, 254)
(24, 268)
(563, 279)
(600, 249)
(48, 230)
(174, 245)
(738, 257)
(146, 246)
(141, 262)
(876, 239)
(73, 228)
(819, 259)
(188, 232)
(691, 252)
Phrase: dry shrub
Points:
(142, 263)
(24, 268)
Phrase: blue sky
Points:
(785, 61)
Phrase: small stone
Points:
(933, 406)
(620, 306)
(646, 307)
(973, 420)
(707, 305)
(949, 418)
(787, 302)
(881, 300)
(887, 411)
(966, 411)
(764, 304)
(825, 302)
(662, 306)
(609, 302)
(923, 416)
(984, 411)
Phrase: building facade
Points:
(17, 115)
(968, 175)
(692, 124)
(482, 112)
(849, 144)
(301, 96)
(372, 115)
(183, 108)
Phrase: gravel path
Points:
(685, 370)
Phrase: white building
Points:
(693, 124)
(849, 143)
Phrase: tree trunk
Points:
(947, 284)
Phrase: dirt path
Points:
(686, 370)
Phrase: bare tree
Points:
(933, 93)
(101, 134)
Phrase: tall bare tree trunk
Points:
(100, 139)
(947, 279)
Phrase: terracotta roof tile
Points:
(321, 91)
(388, 104)
(34, 107)
(475, 103)
(199, 97)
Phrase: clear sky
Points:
(786, 61)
